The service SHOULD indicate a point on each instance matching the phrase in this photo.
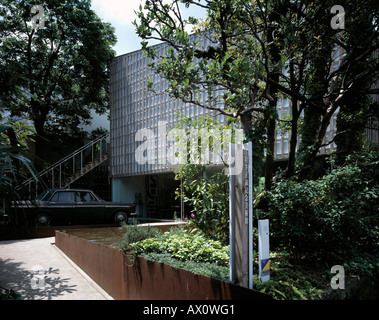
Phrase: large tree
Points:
(330, 69)
(54, 75)
(359, 110)
(326, 69)
(261, 51)
(231, 70)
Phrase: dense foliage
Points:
(289, 281)
(178, 248)
(208, 199)
(15, 165)
(184, 245)
(334, 219)
(260, 52)
(55, 75)
(134, 233)
(194, 251)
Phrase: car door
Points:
(89, 208)
(62, 206)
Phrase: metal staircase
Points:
(72, 167)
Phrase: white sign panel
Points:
(264, 250)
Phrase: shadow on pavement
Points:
(37, 283)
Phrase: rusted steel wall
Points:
(142, 279)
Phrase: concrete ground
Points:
(38, 270)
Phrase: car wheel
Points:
(42, 219)
(120, 216)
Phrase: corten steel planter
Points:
(141, 279)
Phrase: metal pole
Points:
(250, 151)
(181, 200)
(232, 214)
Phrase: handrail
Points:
(71, 156)
(91, 143)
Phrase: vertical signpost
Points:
(241, 214)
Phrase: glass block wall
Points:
(134, 107)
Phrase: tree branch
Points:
(334, 138)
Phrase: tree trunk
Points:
(39, 142)
(39, 119)
(293, 140)
(269, 172)
(247, 126)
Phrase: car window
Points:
(55, 197)
(44, 195)
(63, 196)
(82, 196)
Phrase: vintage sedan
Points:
(74, 206)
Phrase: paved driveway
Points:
(38, 270)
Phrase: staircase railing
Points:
(70, 168)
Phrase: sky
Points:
(120, 13)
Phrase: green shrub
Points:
(134, 233)
(178, 248)
(183, 245)
(287, 288)
(333, 219)
(197, 253)
(203, 268)
(289, 281)
(208, 199)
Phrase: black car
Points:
(75, 206)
